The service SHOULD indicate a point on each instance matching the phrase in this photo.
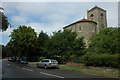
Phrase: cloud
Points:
(19, 19)
(48, 28)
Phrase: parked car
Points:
(48, 63)
(22, 61)
(13, 59)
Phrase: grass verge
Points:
(34, 63)
(113, 74)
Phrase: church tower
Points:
(98, 15)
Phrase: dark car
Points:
(22, 61)
(13, 59)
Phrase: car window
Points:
(53, 61)
(42, 61)
(45, 61)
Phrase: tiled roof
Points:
(85, 20)
(82, 20)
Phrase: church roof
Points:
(96, 7)
(82, 20)
(85, 20)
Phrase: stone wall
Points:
(84, 29)
(99, 16)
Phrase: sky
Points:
(51, 16)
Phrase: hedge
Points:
(108, 60)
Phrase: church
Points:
(96, 20)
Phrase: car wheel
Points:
(45, 67)
(37, 65)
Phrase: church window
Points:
(91, 16)
(101, 15)
(80, 28)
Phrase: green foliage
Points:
(40, 58)
(104, 49)
(107, 41)
(109, 60)
(42, 42)
(79, 47)
(2, 51)
(61, 44)
(23, 42)
(5, 22)
(64, 46)
(79, 60)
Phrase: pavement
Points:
(96, 68)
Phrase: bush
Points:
(79, 60)
(40, 58)
(108, 60)
(32, 58)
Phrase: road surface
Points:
(14, 70)
(0, 68)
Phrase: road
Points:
(14, 70)
(0, 68)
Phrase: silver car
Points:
(47, 63)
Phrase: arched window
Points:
(101, 15)
(91, 15)
(80, 28)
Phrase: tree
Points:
(42, 42)
(11, 50)
(79, 47)
(24, 42)
(107, 41)
(62, 45)
(4, 21)
(1, 46)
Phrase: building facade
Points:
(96, 20)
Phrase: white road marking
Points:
(51, 75)
(29, 69)
(23, 68)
